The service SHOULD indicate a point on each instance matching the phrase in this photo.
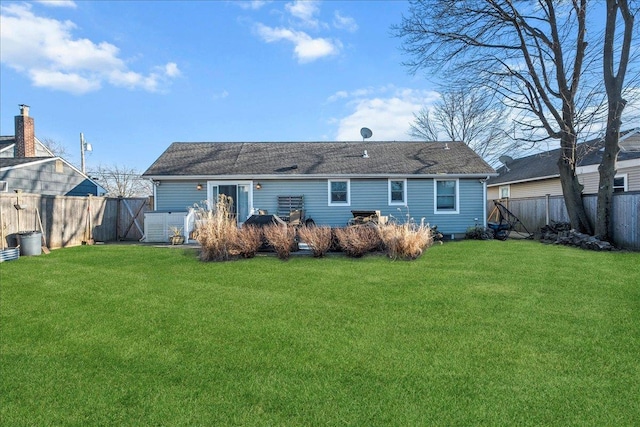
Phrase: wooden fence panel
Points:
(67, 220)
(626, 213)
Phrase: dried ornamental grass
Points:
(249, 241)
(281, 238)
(357, 240)
(318, 239)
(406, 241)
(216, 231)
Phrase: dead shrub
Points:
(318, 239)
(281, 238)
(249, 241)
(358, 240)
(405, 241)
(216, 231)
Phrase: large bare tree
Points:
(531, 54)
(122, 181)
(471, 117)
(614, 76)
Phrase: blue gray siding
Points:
(48, 179)
(179, 196)
(366, 194)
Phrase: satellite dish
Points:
(366, 133)
(505, 159)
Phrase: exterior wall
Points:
(552, 186)
(528, 189)
(592, 179)
(48, 178)
(365, 194)
(179, 196)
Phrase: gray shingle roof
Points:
(317, 158)
(545, 164)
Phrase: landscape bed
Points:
(473, 332)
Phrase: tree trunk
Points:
(607, 170)
(571, 187)
(613, 82)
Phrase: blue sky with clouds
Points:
(134, 76)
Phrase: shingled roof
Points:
(317, 159)
(545, 165)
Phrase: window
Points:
(505, 191)
(620, 184)
(339, 192)
(446, 196)
(398, 192)
(4, 187)
(59, 166)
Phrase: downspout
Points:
(484, 201)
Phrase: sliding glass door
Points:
(240, 193)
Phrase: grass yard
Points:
(472, 333)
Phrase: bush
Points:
(281, 238)
(249, 241)
(357, 240)
(216, 231)
(406, 241)
(318, 239)
(478, 233)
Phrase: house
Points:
(538, 175)
(28, 165)
(442, 183)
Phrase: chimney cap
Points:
(24, 109)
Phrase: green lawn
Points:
(472, 333)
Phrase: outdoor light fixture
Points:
(258, 186)
(199, 187)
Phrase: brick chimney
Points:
(25, 135)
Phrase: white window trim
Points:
(626, 181)
(435, 198)
(508, 187)
(330, 203)
(404, 192)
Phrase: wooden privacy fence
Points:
(71, 221)
(536, 212)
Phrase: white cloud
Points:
(344, 22)
(250, 5)
(59, 3)
(171, 69)
(306, 48)
(387, 111)
(305, 11)
(67, 82)
(45, 50)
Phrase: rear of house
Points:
(440, 183)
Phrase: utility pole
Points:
(84, 146)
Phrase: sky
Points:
(135, 76)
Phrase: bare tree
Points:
(57, 148)
(122, 181)
(471, 117)
(530, 54)
(614, 84)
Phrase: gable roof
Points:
(281, 159)
(545, 165)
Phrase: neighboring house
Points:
(444, 183)
(538, 175)
(28, 165)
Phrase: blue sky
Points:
(134, 76)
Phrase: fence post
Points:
(118, 237)
(546, 198)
